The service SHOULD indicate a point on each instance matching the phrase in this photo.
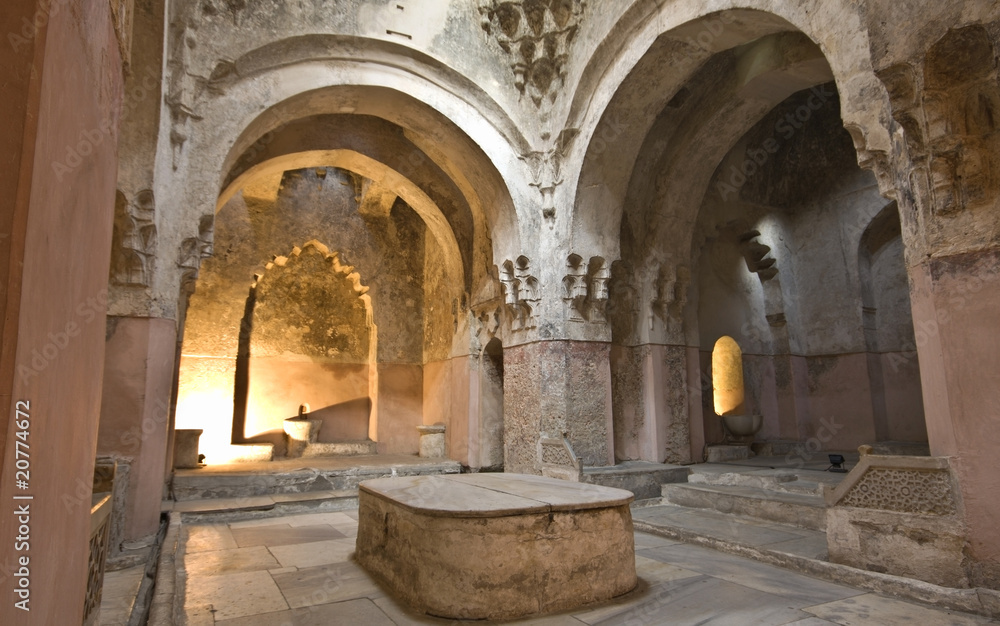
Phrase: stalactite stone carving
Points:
(195, 249)
(537, 34)
(671, 289)
(756, 255)
(133, 239)
(520, 292)
(949, 110)
(586, 289)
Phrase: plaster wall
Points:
(953, 298)
(56, 289)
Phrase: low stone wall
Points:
(496, 546)
(899, 515)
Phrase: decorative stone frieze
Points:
(521, 293)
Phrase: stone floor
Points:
(297, 571)
(119, 594)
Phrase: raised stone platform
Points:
(496, 546)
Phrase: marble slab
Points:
(493, 495)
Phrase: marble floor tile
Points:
(325, 584)
(647, 540)
(362, 612)
(217, 562)
(284, 535)
(869, 608)
(810, 547)
(797, 589)
(234, 595)
(335, 519)
(208, 537)
(701, 601)
(118, 594)
(315, 553)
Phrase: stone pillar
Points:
(954, 301)
(432, 441)
(63, 88)
(135, 412)
(552, 388)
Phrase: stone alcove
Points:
(307, 337)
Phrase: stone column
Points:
(553, 388)
(135, 412)
(64, 84)
(955, 302)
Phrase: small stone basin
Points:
(495, 546)
(743, 425)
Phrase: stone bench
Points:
(496, 546)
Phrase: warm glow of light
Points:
(205, 401)
(727, 377)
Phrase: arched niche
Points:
(887, 319)
(727, 377)
(307, 337)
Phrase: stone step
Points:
(254, 507)
(795, 509)
(298, 476)
(695, 525)
(780, 480)
(642, 478)
(340, 448)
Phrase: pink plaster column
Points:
(957, 330)
(135, 412)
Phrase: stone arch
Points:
(664, 47)
(372, 170)
(464, 135)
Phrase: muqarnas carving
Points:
(133, 248)
(195, 249)
(756, 256)
(586, 289)
(537, 34)
(952, 124)
(520, 293)
(311, 304)
(670, 292)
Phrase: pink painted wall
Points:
(400, 407)
(955, 319)
(66, 240)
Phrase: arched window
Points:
(727, 377)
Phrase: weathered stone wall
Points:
(791, 268)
